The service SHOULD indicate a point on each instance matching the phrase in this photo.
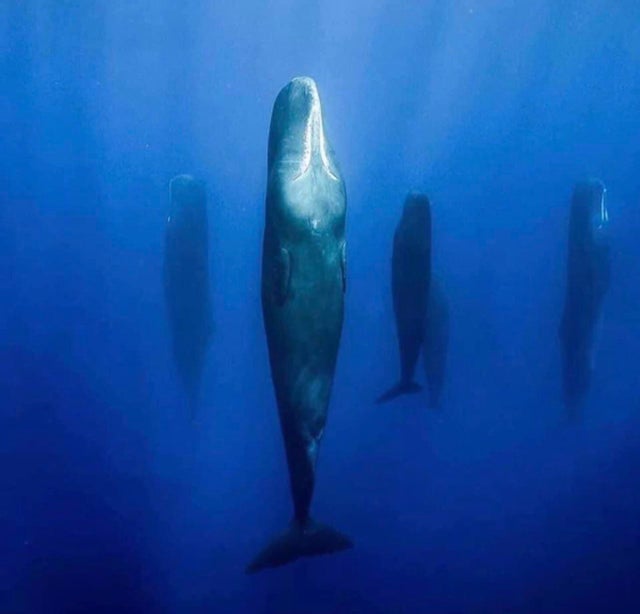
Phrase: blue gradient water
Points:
(112, 501)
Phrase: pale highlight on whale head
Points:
(297, 136)
(600, 215)
(598, 200)
(590, 215)
(603, 213)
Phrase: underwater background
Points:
(113, 500)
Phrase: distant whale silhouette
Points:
(303, 283)
(588, 278)
(436, 341)
(186, 281)
(410, 282)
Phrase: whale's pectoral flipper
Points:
(398, 390)
(308, 539)
(282, 276)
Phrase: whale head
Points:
(187, 198)
(416, 208)
(415, 224)
(297, 140)
(589, 209)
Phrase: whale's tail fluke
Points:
(300, 540)
(398, 390)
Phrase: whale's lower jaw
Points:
(315, 143)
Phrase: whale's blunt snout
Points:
(416, 208)
(185, 192)
(297, 135)
(591, 194)
(305, 83)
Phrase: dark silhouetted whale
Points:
(410, 281)
(186, 280)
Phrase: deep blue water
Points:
(111, 500)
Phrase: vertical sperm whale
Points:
(410, 282)
(303, 285)
(186, 281)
